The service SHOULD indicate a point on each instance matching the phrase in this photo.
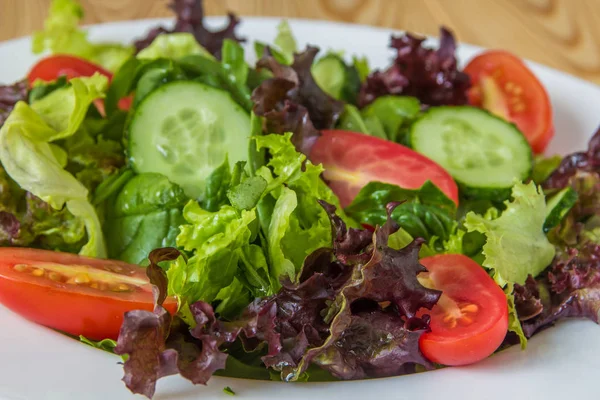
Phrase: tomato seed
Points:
(82, 278)
(21, 267)
(121, 287)
(38, 272)
(55, 276)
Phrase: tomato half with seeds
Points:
(352, 160)
(74, 294)
(470, 320)
(505, 86)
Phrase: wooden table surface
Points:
(564, 34)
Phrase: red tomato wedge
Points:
(470, 320)
(50, 68)
(352, 160)
(504, 85)
(74, 294)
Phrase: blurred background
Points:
(564, 34)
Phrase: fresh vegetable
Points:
(29, 158)
(470, 320)
(503, 85)
(483, 153)
(77, 295)
(430, 75)
(202, 126)
(558, 206)
(388, 117)
(51, 68)
(190, 19)
(337, 79)
(516, 245)
(144, 215)
(292, 101)
(174, 46)
(61, 35)
(352, 160)
(9, 96)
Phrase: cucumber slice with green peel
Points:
(558, 206)
(337, 79)
(483, 153)
(184, 130)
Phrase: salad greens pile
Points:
(268, 268)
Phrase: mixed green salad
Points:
(306, 218)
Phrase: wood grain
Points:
(564, 34)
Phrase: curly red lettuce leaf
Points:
(9, 96)
(387, 277)
(431, 75)
(159, 345)
(291, 101)
(569, 289)
(583, 161)
(190, 19)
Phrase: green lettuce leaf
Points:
(516, 245)
(232, 299)
(285, 41)
(65, 109)
(514, 325)
(62, 35)
(280, 223)
(216, 240)
(361, 64)
(28, 157)
(144, 215)
(174, 45)
(288, 211)
(387, 117)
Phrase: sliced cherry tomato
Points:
(504, 85)
(50, 68)
(470, 320)
(74, 294)
(352, 160)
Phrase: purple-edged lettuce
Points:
(190, 19)
(291, 101)
(431, 75)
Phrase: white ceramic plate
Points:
(561, 362)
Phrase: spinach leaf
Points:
(145, 215)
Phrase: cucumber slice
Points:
(483, 153)
(184, 130)
(337, 79)
(558, 206)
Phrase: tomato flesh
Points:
(74, 294)
(352, 160)
(470, 320)
(504, 85)
(51, 68)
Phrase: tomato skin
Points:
(74, 309)
(463, 282)
(352, 160)
(520, 97)
(50, 68)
